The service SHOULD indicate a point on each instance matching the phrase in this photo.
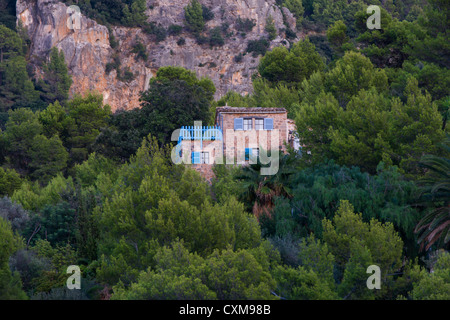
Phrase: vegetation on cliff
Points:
(82, 185)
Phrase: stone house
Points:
(239, 136)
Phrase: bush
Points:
(258, 47)
(289, 33)
(115, 64)
(193, 14)
(270, 28)
(207, 13)
(14, 213)
(174, 30)
(238, 58)
(157, 30)
(9, 181)
(245, 24)
(201, 39)
(140, 51)
(112, 39)
(215, 37)
(127, 75)
(181, 41)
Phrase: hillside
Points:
(88, 50)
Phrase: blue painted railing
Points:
(202, 133)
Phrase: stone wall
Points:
(235, 141)
(238, 140)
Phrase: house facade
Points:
(239, 136)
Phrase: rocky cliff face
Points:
(87, 49)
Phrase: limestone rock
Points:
(87, 49)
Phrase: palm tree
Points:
(259, 192)
(435, 187)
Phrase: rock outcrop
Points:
(87, 46)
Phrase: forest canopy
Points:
(82, 185)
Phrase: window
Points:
(248, 124)
(204, 157)
(251, 153)
(268, 124)
(248, 152)
(195, 157)
(200, 157)
(238, 123)
(259, 124)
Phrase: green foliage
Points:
(301, 284)
(244, 25)
(181, 41)
(266, 95)
(386, 196)
(434, 227)
(53, 120)
(435, 285)
(14, 213)
(433, 23)
(140, 51)
(161, 105)
(377, 128)
(234, 99)
(10, 44)
(223, 183)
(160, 114)
(8, 13)
(368, 105)
(258, 47)
(328, 12)
(10, 180)
(86, 117)
(290, 66)
(157, 30)
(33, 197)
(351, 74)
(133, 13)
(127, 75)
(56, 81)
(296, 7)
(270, 28)
(21, 129)
(180, 274)
(336, 33)
(174, 29)
(48, 157)
(215, 37)
(54, 275)
(356, 245)
(56, 225)
(10, 283)
(16, 88)
(207, 13)
(193, 13)
(156, 204)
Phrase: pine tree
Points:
(56, 81)
(193, 14)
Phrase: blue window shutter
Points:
(248, 152)
(195, 157)
(268, 124)
(238, 124)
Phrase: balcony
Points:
(200, 133)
